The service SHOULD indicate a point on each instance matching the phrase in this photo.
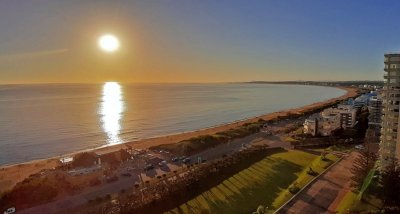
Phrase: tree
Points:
(371, 137)
(391, 184)
(363, 163)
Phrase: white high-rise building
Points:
(389, 145)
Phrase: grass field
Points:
(260, 184)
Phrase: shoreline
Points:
(19, 171)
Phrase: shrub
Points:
(85, 159)
(311, 172)
(294, 189)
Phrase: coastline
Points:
(14, 173)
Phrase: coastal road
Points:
(69, 202)
(324, 194)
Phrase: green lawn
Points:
(260, 184)
(303, 178)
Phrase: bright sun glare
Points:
(111, 111)
(108, 43)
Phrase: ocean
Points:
(47, 120)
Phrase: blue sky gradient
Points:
(196, 41)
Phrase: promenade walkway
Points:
(324, 194)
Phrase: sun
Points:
(108, 43)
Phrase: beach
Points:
(12, 174)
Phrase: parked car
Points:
(186, 160)
(162, 163)
(360, 147)
(175, 159)
(182, 158)
(148, 167)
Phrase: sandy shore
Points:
(12, 174)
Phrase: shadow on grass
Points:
(260, 184)
(311, 151)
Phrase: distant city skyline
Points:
(48, 41)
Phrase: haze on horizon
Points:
(196, 41)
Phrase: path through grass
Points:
(259, 184)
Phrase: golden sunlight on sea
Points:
(111, 111)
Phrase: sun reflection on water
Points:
(111, 109)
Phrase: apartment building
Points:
(389, 145)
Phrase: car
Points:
(359, 147)
(186, 160)
(175, 159)
(162, 163)
(10, 210)
(182, 158)
(148, 167)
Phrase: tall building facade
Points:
(375, 113)
(390, 146)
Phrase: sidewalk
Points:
(326, 192)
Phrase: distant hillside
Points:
(324, 83)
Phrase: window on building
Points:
(394, 59)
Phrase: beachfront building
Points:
(321, 125)
(347, 115)
(361, 101)
(375, 113)
(389, 145)
(329, 120)
(328, 124)
(310, 126)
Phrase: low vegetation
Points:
(33, 191)
(203, 142)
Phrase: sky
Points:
(55, 41)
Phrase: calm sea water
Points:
(39, 121)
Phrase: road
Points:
(63, 204)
